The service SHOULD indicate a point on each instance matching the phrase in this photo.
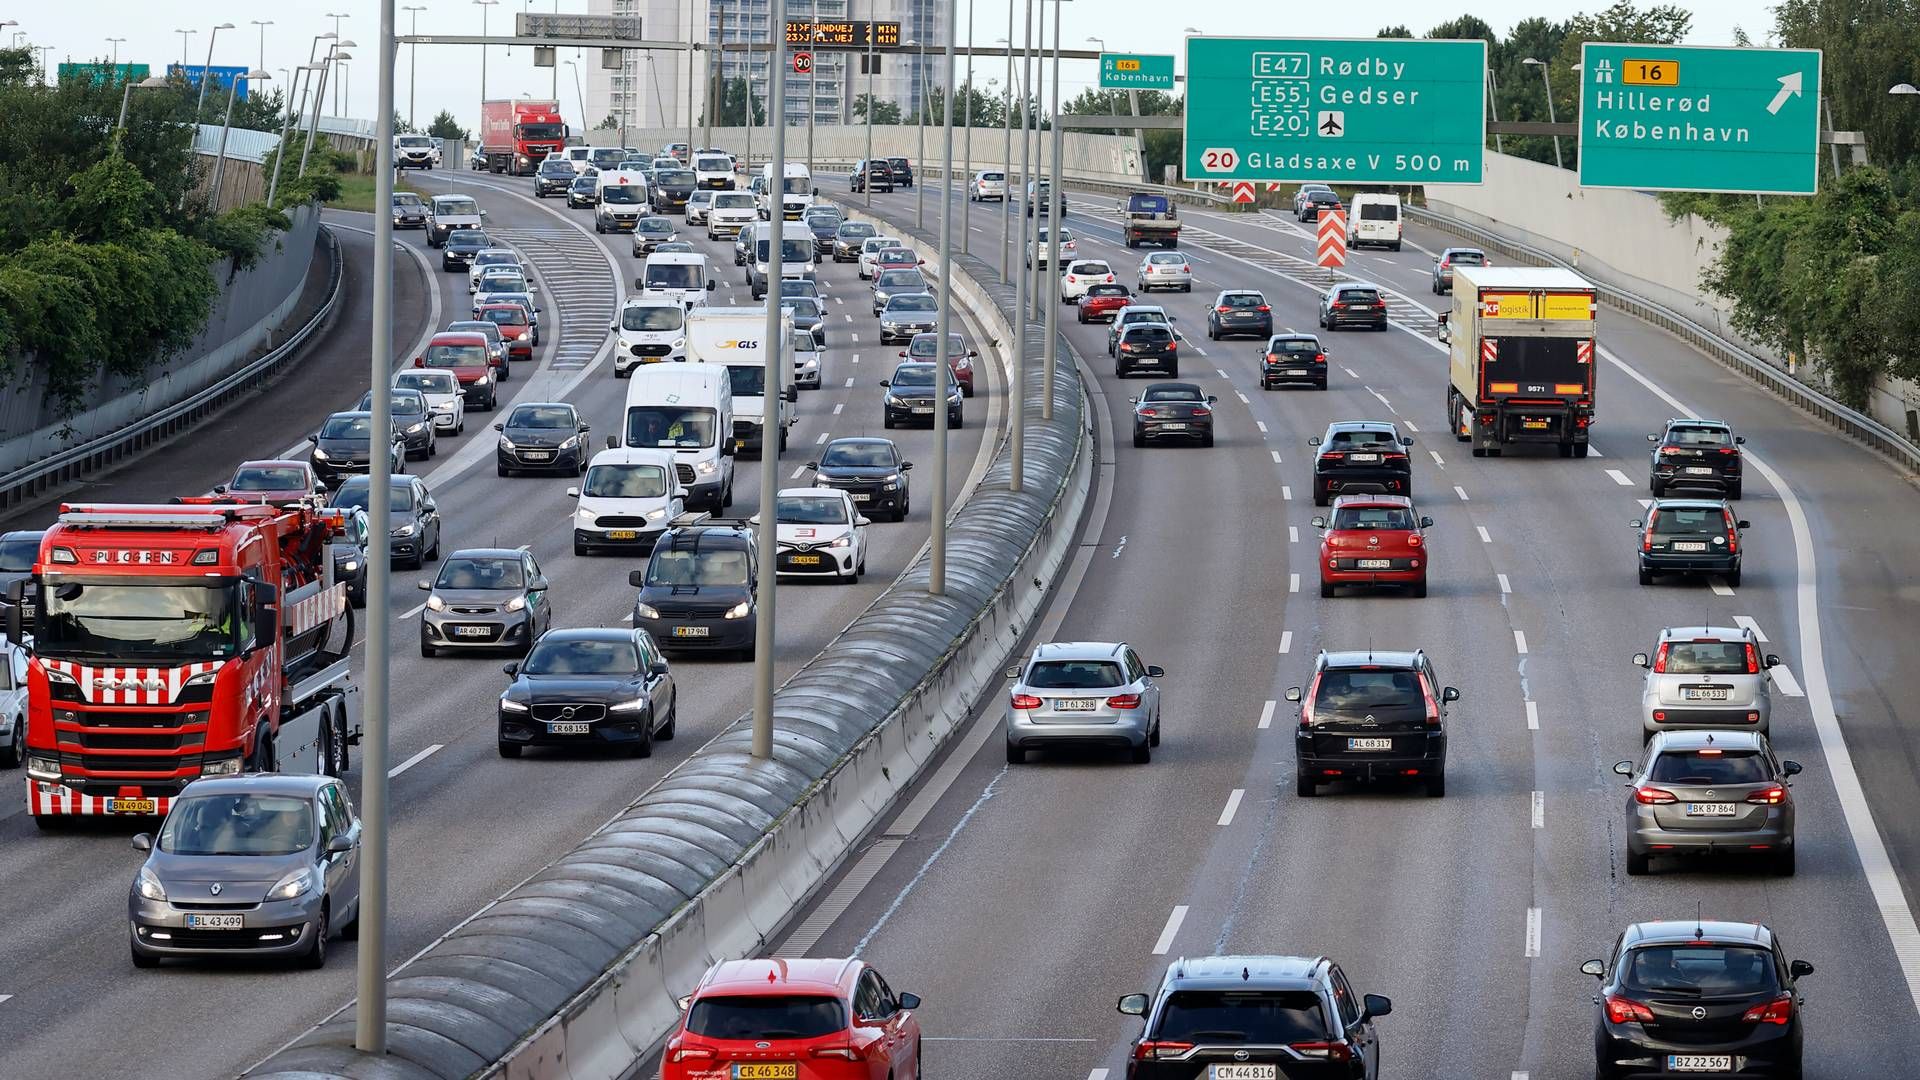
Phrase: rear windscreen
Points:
(1147, 204)
(1698, 436)
(1710, 767)
(1263, 1017)
(1672, 521)
(1699, 969)
(1340, 691)
(1075, 675)
(1373, 211)
(1541, 362)
(769, 1017)
(1149, 334)
(1707, 657)
(1467, 258)
(1295, 345)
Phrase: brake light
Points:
(1728, 450)
(1149, 1049)
(1433, 707)
(1324, 1051)
(1653, 796)
(1124, 701)
(844, 1053)
(689, 1053)
(1646, 539)
(1319, 358)
(1777, 1011)
(1186, 269)
(1733, 533)
(1026, 701)
(1622, 1010)
(1672, 451)
(1334, 455)
(1338, 306)
(1753, 660)
(1201, 410)
(1660, 658)
(1413, 539)
(1148, 412)
(1447, 263)
(1306, 703)
(1223, 309)
(1173, 347)
(1772, 796)
(1393, 456)
(1126, 347)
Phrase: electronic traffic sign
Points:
(1363, 110)
(844, 34)
(1697, 118)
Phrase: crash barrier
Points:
(1858, 426)
(575, 974)
(40, 464)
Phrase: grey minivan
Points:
(1083, 693)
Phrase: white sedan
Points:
(819, 534)
(1080, 275)
(1164, 270)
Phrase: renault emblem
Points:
(1699, 1012)
(214, 888)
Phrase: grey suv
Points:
(1083, 693)
(1707, 792)
(1712, 677)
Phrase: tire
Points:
(1580, 450)
(1419, 592)
(1206, 441)
(1305, 786)
(141, 960)
(1638, 865)
(509, 750)
(1015, 755)
(886, 421)
(1139, 440)
(665, 732)
(1143, 753)
(1733, 578)
(1326, 589)
(1733, 491)
(1646, 576)
(351, 931)
(1320, 496)
(433, 553)
(427, 650)
(502, 469)
(1153, 737)
(643, 748)
(1656, 489)
(1173, 372)
(1437, 785)
(1212, 335)
(264, 758)
(316, 955)
(1782, 863)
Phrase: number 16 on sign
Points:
(1219, 159)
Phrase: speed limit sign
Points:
(802, 62)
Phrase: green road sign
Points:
(1697, 118)
(103, 73)
(1365, 110)
(1130, 71)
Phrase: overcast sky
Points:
(449, 76)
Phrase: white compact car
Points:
(490, 257)
(698, 204)
(807, 355)
(871, 247)
(626, 500)
(442, 391)
(988, 184)
(819, 534)
(1080, 274)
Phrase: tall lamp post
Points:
(578, 95)
(152, 83)
(115, 62)
(483, 6)
(184, 35)
(286, 124)
(1547, 79)
(1054, 200)
(336, 17)
(966, 169)
(1006, 152)
(413, 58)
(919, 123)
(335, 53)
(263, 24)
(942, 372)
(778, 376)
(226, 126)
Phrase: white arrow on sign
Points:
(1789, 87)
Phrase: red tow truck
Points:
(172, 642)
(517, 135)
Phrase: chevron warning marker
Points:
(1243, 191)
(1333, 238)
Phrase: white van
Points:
(678, 274)
(605, 158)
(1374, 218)
(620, 197)
(796, 191)
(713, 172)
(796, 256)
(686, 409)
(576, 156)
(731, 211)
(734, 338)
(626, 500)
(652, 330)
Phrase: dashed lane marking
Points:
(1436, 458)
(1482, 530)
(414, 760)
(1232, 807)
(1533, 716)
(412, 611)
(1266, 714)
(1505, 588)
(1462, 492)
(1293, 534)
(1533, 931)
(1539, 809)
(1286, 493)
(1619, 478)
(1520, 642)
(1783, 677)
(1293, 582)
(821, 439)
(1286, 640)
(838, 406)
(798, 472)
(1262, 425)
(1168, 932)
(1276, 457)
(1720, 588)
(1747, 622)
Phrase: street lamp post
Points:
(1017, 393)
(263, 24)
(226, 126)
(151, 83)
(578, 95)
(115, 62)
(1006, 151)
(813, 35)
(335, 53)
(1054, 199)
(184, 35)
(1547, 78)
(688, 73)
(484, 5)
(1035, 298)
(413, 58)
(942, 371)
(336, 17)
(920, 159)
(866, 163)
(286, 123)
(966, 169)
(777, 378)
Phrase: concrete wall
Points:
(1083, 154)
(1625, 239)
(250, 307)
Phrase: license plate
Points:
(1689, 545)
(1294, 371)
(1375, 564)
(572, 727)
(621, 534)
(130, 806)
(923, 408)
(1369, 744)
(804, 560)
(1704, 693)
(778, 1070)
(1077, 704)
(861, 496)
(691, 631)
(1363, 457)
(536, 455)
(1710, 809)
(1535, 425)
(1697, 470)
(473, 631)
(1699, 1062)
(1173, 427)
(1243, 1072)
(216, 922)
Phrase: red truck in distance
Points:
(517, 134)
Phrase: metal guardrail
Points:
(1862, 428)
(29, 481)
(830, 166)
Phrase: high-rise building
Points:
(650, 90)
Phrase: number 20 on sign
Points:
(1221, 159)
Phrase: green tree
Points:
(1870, 45)
(884, 112)
(734, 99)
(444, 126)
(1399, 31)
(1518, 94)
(1660, 24)
(18, 67)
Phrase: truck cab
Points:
(1151, 219)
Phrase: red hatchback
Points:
(1103, 302)
(1372, 540)
(512, 321)
(896, 259)
(464, 354)
(794, 1020)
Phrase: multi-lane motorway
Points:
(468, 825)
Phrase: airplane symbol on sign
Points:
(1333, 123)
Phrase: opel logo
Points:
(214, 888)
(1241, 1055)
(1699, 1012)
(1709, 793)
(567, 713)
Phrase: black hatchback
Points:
(1690, 536)
(1361, 456)
(870, 470)
(1293, 360)
(902, 170)
(1693, 997)
(1696, 454)
(1372, 715)
(461, 246)
(1173, 410)
(1148, 346)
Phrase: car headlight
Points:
(350, 565)
(631, 705)
(485, 377)
(292, 885)
(890, 486)
(679, 343)
(43, 768)
(226, 766)
(415, 429)
(512, 706)
(404, 530)
(507, 444)
(657, 514)
(571, 442)
(706, 468)
(147, 884)
(740, 610)
(518, 603)
(841, 541)
(443, 407)
(320, 455)
(434, 603)
(585, 515)
(645, 611)
(891, 400)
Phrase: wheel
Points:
(665, 732)
(1646, 576)
(1326, 589)
(1783, 863)
(509, 750)
(351, 931)
(1437, 785)
(1153, 737)
(502, 469)
(886, 421)
(1206, 440)
(1733, 578)
(1083, 316)
(643, 748)
(1478, 451)
(1173, 371)
(1733, 490)
(1419, 591)
(433, 553)
(316, 954)
(142, 960)
(264, 759)
(1212, 334)
(1015, 755)
(1142, 754)
(1305, 786)
(1320, 496)
(1139, 440)
(1656, 489)
(1565, 450)
(1638, 865)
(427, 650)
(1580, 450)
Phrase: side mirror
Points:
(886, 383)
(1293, 693)
(1013, 672)
(1623, 768)
(862, 521)
(573, 493)
(1594, 968)
(903, 352)
(585, 427)
(754, 520)
(1773, 659)
(1739, 440)
(792, 394)
(1133, 401)
(813, 466)
(636, 578)
(1133, 1005)
(816, 191)
(1641, 659)
(1743, 524)
(1172, 318)
(1406, 440)
(498, 426)
(1376, 1005)
(1212, 399)
(616, 329)
(659, 667)
(511, 668)
(1653, 438)
(219, 489)
(1450, 693)
(1313, 440)
(1636, 523)
(339, 844)
(638, 283)
(314, 438)
(710, 286)
(907, 1001)
(1792, 768)
(1155, 671)
(1426, 523)
(143, 841)
(424, 586)
(538, 584)
(906, 466)
(728, 448)
(1318, 523)
(1799, 968)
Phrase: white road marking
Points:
(1350, 371)
(838, 406)
(414, 760)
(1383, 400)
(1436, 458)
(1539, 809)
(1120, 547)
(1266, 715)
(1293, 582)
(1747, 622)
(414, 610)
(1293, 534)
(856, 358)
(798, 472)
(1619, 478)
(1097, 1074)
(1720, 588)
(1411, 428)
(1222, 371)
(1286, 640)
(1462, 492)
(849, 318)
(1174, 920)
(1783, 677)
(1533, 716)
(855, 337)
(821, 439)
(1286, 493)
(1645, 504)
(1242, 397)
(1276, 457)
(1262, 425)
(849, 380)
(1520, 642)
(1594, 451)
(4, 998)
(1233, 806)
(1482, 530)
(1533, 931)
(1505, 586)
(838, 300)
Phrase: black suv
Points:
(1697, 997)
(1690, 536)
(670, 190)
(1293, 360)
(1312, 202)
(697, 592)
(902, 171)
(1149, 346)
(554, 176)
(1361, 456)
(1696, 453)
(1370, 715)
(1216, 1015)
(868, 469)
(1353, 303)
(589, 686)
(876, 174)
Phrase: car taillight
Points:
(1393, 456)
(1222, 309)
(1148, 412)
(1126, 347)
(1319, 358)
(1646, 538)
(1771, 796)
(689, 1053)
(1753, 660)
(1263, 307)
(1446, 264)
(1433, 707)
(1728, 450)
(1660, 658)
(1124, 701)
(1671, 451)
(844, 1053)
(1202, 411)
(1622, 1010)
(1306, 703)
(1334, 455)
(1186, 269)
(1149, 1049)
(1413, 539)
(1323, 1051)
(1653, 796)
(1026, 701)
(1173, 346)
(1337, 306)
(1733, 532)
(1071, 280)
(1777, 1011)
(1273, 358)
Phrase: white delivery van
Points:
(796, 191)
(713, 172)
(576, 156)
(681, 275)
(686, 410)
(620, 196)
(735, 338)
(626, 500)
(1374, 218)
(796, 256)
(652, 330)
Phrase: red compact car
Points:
(512, 321)
(895, 259)
(465, 354)
(796, 1020)
(1373, 540)
(1103, 302)
(273, 482)
(925, 347)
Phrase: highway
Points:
(1065, 882)
(467, 825)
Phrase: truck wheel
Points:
(339, 755)
(263, 755)
(1580, 449)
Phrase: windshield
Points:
(1090, 268)
(347, 427)
(674, 177)
(913, 302)
(1709, 658)
(407, 404)
(504, 315)
(665, 317)
(654, 226)
(1707, 521)
(1467, 258)
(456, 205)
(238, 824)
(1359, 296)
(1344, 691)
(269, 479)
(1075, 675)
(1711, 766)
(1172, 393)
(732, 200)
(1147, 204)
(747, 380)
(622, 194)
(763, 1017)
(677, 567)
(713, 164)
(669, 426)
(854, 230)
(427, 382)
(406, 198)
(1264, 1017)
(1699, 969)
(625, 482)
(584, 184)
(1304, 346)
(673, 276)
(797, 185)
(912, 375)
(541, 131)
(413, 140)
(811, 510)
(481, 326)
(791, 251)
(554, 166)
(496, 257)
(604, 158)
(17, 553)
(900, 279)
(354, 493)
(858, 456)
(480, 574)
(993, 176)
(1152, 333)
(928, 345)
(542, 416)
(447, 356)
(467, 238)
(565, 657)
(1390, 518)
(802, 306)
(1108, 290)
(153, 620)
